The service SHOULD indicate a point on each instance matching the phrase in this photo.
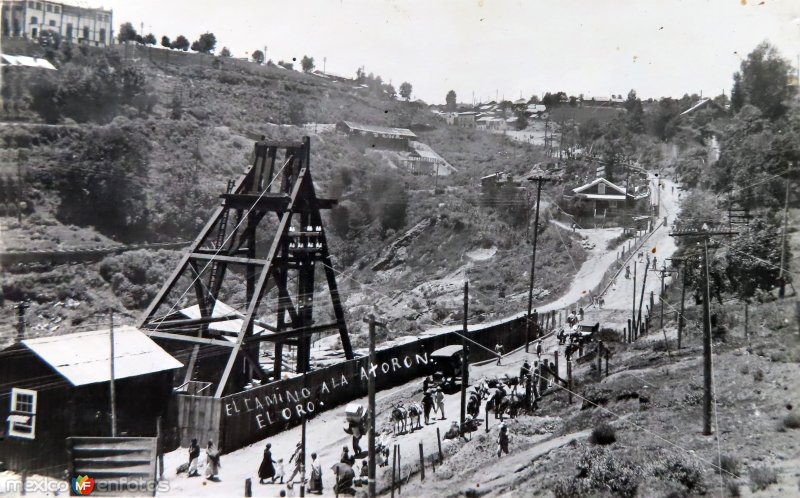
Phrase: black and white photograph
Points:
(400, 248)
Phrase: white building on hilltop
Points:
(30, 18)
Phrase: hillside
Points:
(150, 167)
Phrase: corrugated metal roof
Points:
(381, 130)
(83, 358)
(24, 60)
(221, 309)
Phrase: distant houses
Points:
(603, 201)
(415, 156)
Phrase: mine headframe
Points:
(220, 345)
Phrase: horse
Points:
(515, 404)
(415, 412)
(474, 404)
(398, 418)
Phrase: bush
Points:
(679, 469)
(730, 465)
(603, 434)
(761, 478)
(733, 488)
(792, 421)
(601, 471)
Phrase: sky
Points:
(493, 48)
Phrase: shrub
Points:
(730, 465)
(603, 434)
(758, 375)
(679, 469)
(762, 477)
(733, 488)
(600, 470)
(792, 421)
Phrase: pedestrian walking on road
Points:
(266, 470)
(524, 371)
(502, 441)
(315, 484)
(213, 463)
(439, 398)
(499, 350)
(628, 272)
(539, 349)
(298, 450)
(427, 405)
(194, 456)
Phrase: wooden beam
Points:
(275, 202)
(227, 259)
(189, 338)
(192, 321)
(285, 334)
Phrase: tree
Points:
(258, 57)
(635, 113)
(390, 91)
(181, 43)
(307, 63)
(104, 185)
(286, 65)
(205, 44)
(126, 33)
(165, 42)
(225, 52)
(405, 90)
(297, 112)
(737, 92)
(765, 80)
(450, 100)
(150, 39)
(522, 120)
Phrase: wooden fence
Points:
(243, 418)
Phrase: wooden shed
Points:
(55, 387)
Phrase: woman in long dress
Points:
(266, 470)
(212, 462)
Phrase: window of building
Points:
(69, 31)
(34, 33)
(22, 419)
(31, 5)
(49, 8)
(52, 22)
(86, 32)
(56, 9)
(38, 5)
(601, 188)
(102, 36)
(34, 20)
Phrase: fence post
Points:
(599, 360)
(439, 440)
(569, 377)
(486, 413)
(421, 463)
(555, 356)
(394, 465)
(248, 487)
(606, 362)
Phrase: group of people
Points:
(432, 400)
(211, 463)
(271, 471)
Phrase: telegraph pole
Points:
(371, 402)
(539, 180)
(464, 359)
(783, 236)
(21, 307)
(633, 309)
(685, 262)
(113, 393)
(705, 233)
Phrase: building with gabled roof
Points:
(58, 386)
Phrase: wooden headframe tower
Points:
(279, 181)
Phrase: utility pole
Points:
(539, 180)
(783, 235)
(464, 360)
(641, 299)
(21, 307)
(685, 262)
(371, 402)
(705, 233)
(633, 309)
(112, 388)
